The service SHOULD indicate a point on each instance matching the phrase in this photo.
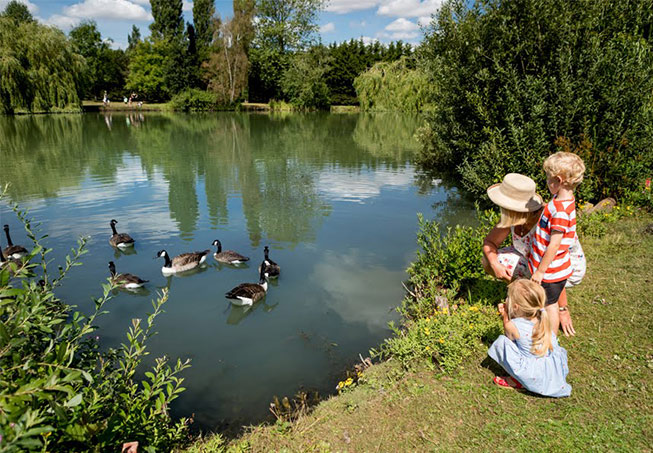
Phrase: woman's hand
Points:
(566, 324)
(501, 272)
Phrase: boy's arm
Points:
(549, 255)
(509, 327)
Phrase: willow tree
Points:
(396, 86)
(39, 69)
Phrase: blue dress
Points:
(543, 375)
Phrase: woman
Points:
(521, 207)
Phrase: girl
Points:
(529, 350)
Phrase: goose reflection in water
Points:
(239, 312)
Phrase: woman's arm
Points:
(509, 328)
(490, 246)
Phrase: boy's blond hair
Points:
(510, 218)
(530, 297)
(568, 166)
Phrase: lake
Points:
(335, 197)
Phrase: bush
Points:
(303, 81)
(194, 100)
(58, 390)
(513, 77)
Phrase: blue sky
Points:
(382, 20)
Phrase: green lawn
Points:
(611, 371)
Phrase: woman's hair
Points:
(510, 218)
(568, 166)
(530, 298)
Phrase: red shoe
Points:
(507, 382)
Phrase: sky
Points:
(370, 20)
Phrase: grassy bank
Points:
(398, 408)
(119, 106)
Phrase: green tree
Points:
(512, 77)
(303, 82)
(18, 12)
(286, 24)
(134, 38)
(203, 12)
(168, 21)
(147, 75)
(39, 68)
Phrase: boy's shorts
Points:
(553, 291)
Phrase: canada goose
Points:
(120, 240)
(183, 262)
(228, 256)
(127, 281)
(13, 251)
(248, 293)
(271, 268)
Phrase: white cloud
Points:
(63, 22)
(368, 40)
(347, 6)
(402, 25)
(30, 6)
(424, 21)
(409, 8)
(107, 9)
(326, 28)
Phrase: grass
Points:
(611, 363)
(119, 106)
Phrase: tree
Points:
(168, 21)
(134, 38)
(87, 40)
(513, 77)
(18, 12)
(303, 82)
(203, 12)
(285, 25)
(147, 72)
(39, 68)
(226, 69)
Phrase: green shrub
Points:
(303, 81)
(445, 338)
(513, 77)
(58, 390)
(194, 100)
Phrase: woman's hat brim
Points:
(500, 199)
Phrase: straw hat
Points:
(516, 192)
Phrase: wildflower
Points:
(441, 340)
(359, 373)
(340, 385)
(427, 349)
(473, 308)
(648, 184)
(471, 326)
(427, 331)
(349, 382)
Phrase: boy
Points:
(549, 261)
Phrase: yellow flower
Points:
(427, 331)
(473, 308)
(471, 326)
(340, 385)
(441, 340)
(349, 382)
(360, 373)
(46, 435)
(428, 348)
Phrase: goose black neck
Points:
(8, 237)
(168, 262)
(266, 252)
(113, 228)
(112, 270)
(219, 244)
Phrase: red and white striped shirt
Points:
(556, 216)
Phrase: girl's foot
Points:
(507, 382)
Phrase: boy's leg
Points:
(553, 292)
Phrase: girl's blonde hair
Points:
(510, 218)
(530, 298)
(568, 166)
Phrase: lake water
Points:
(334, 196)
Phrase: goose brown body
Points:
(228, 256)
(272, 269)
(183, 262)
(119, 239)
(127, 281)
(13, 251)
(249, 293)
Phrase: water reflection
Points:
(273, 170)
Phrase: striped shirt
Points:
(556, 216)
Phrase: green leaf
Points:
(74, 401)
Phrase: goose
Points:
(183, 262)
(248, 293)
(120, 240)
(127, 281)
(228, 256)
(13, 251)
(271, 268)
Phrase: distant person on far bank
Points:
(550, 259)
(105, 99)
